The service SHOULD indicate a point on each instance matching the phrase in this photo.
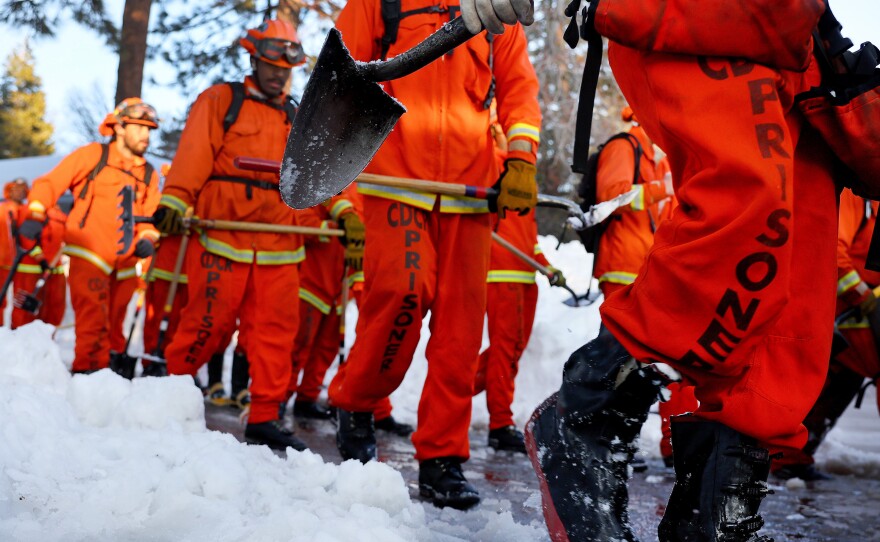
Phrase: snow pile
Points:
(100, 458)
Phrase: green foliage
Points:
(23, 130)
(44, 16)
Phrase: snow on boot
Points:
(274, 435)
(311, 410)
(442, 480)
(122, 364)
(507, 438)
(356, 435)
(390, 425)
(720, 481)
(581, 441)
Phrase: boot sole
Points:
(555, 528)
(255, 442)
(443, 501)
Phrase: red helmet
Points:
(275, 42)
(130, 111)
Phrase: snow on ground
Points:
(100, 458)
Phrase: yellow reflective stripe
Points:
(856, 322)
(463, 205)
(178, 204)
(420, 200)
(338, 207)
(281, 257)
(127, 273)
(848, 282)
(89, 256)
(357, 276)
(314, 301)
(510, 275)
(638, 204)
(538, 249)
(32, 269)
(528, 131)
(224, 249)
(36, 251)
(167, 276)
(618, 277)
(325, 225)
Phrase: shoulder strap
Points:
(589, 81)
(148, 173)
(102, 162)
(391, 20)
(235, 105)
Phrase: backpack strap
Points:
(391, 20)
(238, 96)
(589, 81)
(102, 163)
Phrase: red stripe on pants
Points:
(417, 261)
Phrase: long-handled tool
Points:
(345, 110)
(30, 301)
(531, 262)
(596, 214)
(344, 306)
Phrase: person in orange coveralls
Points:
(101, 281)
(320, 294)
(723, 295)
(14, 194)
(512, 297)
(45, 259)
(426, 252)
(860, 359)
(240, 274)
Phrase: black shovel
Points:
(345, 116)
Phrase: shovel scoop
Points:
(345, 115)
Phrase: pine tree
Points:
(23, 130)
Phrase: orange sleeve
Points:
(852, 213)
(359, 21)
(70, 173)
(200, 141)
(614, 174)
(516, 89)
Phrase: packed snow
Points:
(97, 457)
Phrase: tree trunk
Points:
(132, 48)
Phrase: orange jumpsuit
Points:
(101, 282)
(512, 296)
(157, 294)
(857, 218)
(8, 214)
(236, 274)
(54, 292)
(724, 295)
(426, 252)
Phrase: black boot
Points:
(122, 364)
(240, 377)
(442, 480)
(356, 435)
(720, 481)
(215, 369)
(274, 435)
(311, 410)
(581, 441)
(155, 368)
(394, 427)
(507, 438)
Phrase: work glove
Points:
(168, 221)
(144, 248)
(556, 277)
(868, 304)
(31, 229)
(45, 266)
(494, 14)
(516, 188)
(355, 235)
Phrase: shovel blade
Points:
(342, 121)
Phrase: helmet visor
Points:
(275, 49)
(139, 113)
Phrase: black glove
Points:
(168, 221)
(144, 248)
(45, 266)
(31, 229)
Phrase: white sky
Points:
(78, 59)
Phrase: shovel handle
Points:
(447, 38)
(434, 187)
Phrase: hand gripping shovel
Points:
(345, 116)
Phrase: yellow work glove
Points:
(556, 277)
(168, 221)
(355, 235)
(516, 187)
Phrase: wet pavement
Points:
(844, 509)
